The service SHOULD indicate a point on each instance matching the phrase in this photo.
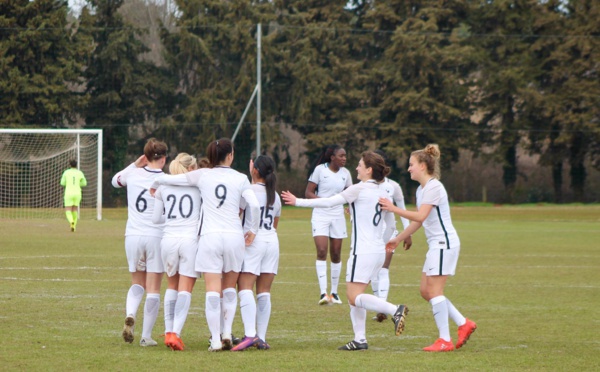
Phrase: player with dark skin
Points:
(336, 161)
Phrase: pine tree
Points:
(312, 74)
(41, 64)
(125, 91)
(545, 135)
(564, 102)
(420, 68)
(213, 54)
(578, 95)
(503, 32)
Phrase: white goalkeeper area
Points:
(31, 165)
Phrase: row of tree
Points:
(487, 76)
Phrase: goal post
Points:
(32, 162)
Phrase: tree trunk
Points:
(509, 169)
(556, 154)
(578, 173)
(557, 172)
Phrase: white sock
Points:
(182, 307)
(212, 310)
(263, 314)
(439, 307)
(375, 287)
(248, 311)
(454, 314)
(221, 316)
(169, 309)
(150, 313)
(134, 298)
(374, 303)
(358, 316)
(228, 310)
(322, 275)
(336, 269)
(384, 283)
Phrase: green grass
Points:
(528, 275)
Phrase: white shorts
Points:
(262, 256)
(179, 256)
(220, 253)
(363, 268)
(143, 254)
(335, 228)
(441, 261)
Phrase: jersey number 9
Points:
(221, 194)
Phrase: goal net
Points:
(31, 165)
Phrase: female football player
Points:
(142, 239)
(329, 178)
(433, 213)
(381, 284)
(261, 259)
(371, 229)
(179, 245)
(222, 239)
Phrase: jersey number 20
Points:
(183, 214)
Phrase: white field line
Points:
(64, 268)
(311, 283)
(312, 254)
(51, 256)
(287, 268)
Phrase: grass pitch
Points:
(528, 275)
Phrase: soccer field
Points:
(528, 275)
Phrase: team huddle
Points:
(204, 218)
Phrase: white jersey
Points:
(140, 205)
(371, 226)
(438, 226)
(394, 191)
(222, 190)
(369, 222)
(328, 184)
(267, 213)
(182, 209)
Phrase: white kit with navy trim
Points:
(140, 205)
(438, 226)
(328, 184)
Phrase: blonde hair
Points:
(182, 163)
(430, 155)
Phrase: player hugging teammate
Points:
(213, 221)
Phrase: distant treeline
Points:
(491, 77)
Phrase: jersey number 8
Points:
(377, 216)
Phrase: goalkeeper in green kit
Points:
(72, 180)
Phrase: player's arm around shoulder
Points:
(158, 216)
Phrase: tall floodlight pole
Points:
(259, 86)
(256, 92)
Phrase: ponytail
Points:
(266, 169)
(182, 163)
